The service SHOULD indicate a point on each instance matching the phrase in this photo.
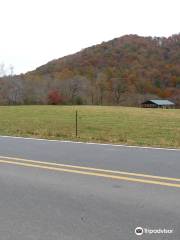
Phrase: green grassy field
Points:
(133, 126)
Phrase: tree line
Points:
(124, 71)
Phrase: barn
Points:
(158, 104)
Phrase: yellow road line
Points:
(93, 169)
(91, 173)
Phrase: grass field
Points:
(133, 126)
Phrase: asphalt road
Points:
(53, 190)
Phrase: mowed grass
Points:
(132, 126)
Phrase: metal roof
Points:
(162, 102)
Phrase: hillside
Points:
(123, 71)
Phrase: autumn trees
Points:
(54, 97)
(124, 71)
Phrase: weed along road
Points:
(53, 190)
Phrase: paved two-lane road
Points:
(72, 191)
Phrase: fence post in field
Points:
(76, 123)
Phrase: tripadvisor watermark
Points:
(140, 231)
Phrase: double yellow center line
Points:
(117, 175)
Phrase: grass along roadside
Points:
(133, 126)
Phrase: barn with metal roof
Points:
(158, 104)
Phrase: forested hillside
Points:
(124, 71)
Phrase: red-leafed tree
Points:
(54, 97)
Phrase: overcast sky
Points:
(34, 32)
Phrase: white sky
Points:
(34, 32)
